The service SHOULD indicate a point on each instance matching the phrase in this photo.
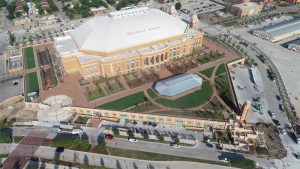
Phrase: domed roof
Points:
(128, 28)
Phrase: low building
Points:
(20, 7)
(97, 10)
(293, 1)
(279, 31)
(178, 84)
(246, 9)
(44, 5)
(245, 135)
(293, 45)
(47, 20)
(22, 21)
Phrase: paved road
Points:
(109, 161)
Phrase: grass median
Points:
(125, 102)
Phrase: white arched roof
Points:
(124, 29)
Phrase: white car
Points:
(133, 140)
(225, 160)
(174, 145)
(283, 131)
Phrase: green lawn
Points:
(5, 136)
(207, 72)
(81, 120)
(244, 163)
(221, 69)
(18, 139)
(222, 136)
(144, 107)
(155, 156)
(151, 93)
(224, 90)
(125, 102)
(92, 95)
(32, 82)
(72, 142)
(210, 115)
(262, 150)
(29, 58)
(194, 99)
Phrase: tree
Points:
(3, 3)
(178, 6)
(11, 38)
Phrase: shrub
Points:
(146, 136)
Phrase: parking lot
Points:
(9, 89)
(160, 129)
(200, 7)
(246, 91)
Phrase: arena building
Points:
(279, 31)
(126, 41)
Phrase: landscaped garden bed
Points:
(94, 94)
(207, 72)
(212, 56)
(224, 90)
(48, 78)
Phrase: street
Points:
(109, 161)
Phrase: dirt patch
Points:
(273, 140)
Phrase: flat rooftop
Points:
(178, 84)
(282, 28)
(246, 6)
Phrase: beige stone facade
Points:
(191, 123)
(161, 39)
(146, 56)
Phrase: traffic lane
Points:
(161, 148)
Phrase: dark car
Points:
(59, 150)
(109, 137)
(280, 107)
(134, 122)
(275, 121)
(278, 97)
